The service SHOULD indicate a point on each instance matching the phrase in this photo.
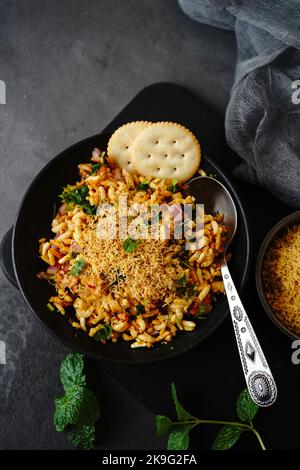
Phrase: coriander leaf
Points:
(83, 437)
(143, 186)
(179, 437)
(173, 188)
(140, 309)
(163, 425)
(187, 291)
(227, 437)
(95, 168)
(182, 414)
(71, 371)
(182, 281)
(245, 406)
(103, 334)
(77, 267)
(67, 408)
(78, 196)
(130, 245)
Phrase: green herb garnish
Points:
(103, 334)
(173, 188)
(182, 281)
(77, 196)
(143, 186)
(78, 409)
(229, 434)
(104, 158)
(140, 309)
(184, 288)
(130, 244)
(201, 313)
(77, 267)
(95, 168)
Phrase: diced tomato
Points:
(195, 307)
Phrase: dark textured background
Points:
(69, 67)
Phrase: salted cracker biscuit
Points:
(120, 144)
(166, 150)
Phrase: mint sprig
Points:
(78, 409)
(229, 434)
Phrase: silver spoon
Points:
(259, 379)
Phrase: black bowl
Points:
(34, 221)
(274, 233)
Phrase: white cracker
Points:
(120, 143)
(166, 150)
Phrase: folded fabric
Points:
(263, 115)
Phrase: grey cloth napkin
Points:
(262, 119)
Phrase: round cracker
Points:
(120, 143)
(166, 150)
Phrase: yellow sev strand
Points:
(281, 277)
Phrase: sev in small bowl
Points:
(278, 274)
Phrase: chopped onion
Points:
(52, 270)
(96, 155)
(76, 248)
(118, 175)
(62, 209)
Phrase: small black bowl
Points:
(274, 233)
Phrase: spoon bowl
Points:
(216, 198)
(260, 382)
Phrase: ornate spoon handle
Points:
(259, 379)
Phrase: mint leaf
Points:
(163, 425)
(83, 437)
(88, 410)
(227, 437)
(103, 334)
(77, 267)
(182, 414)
(245, 407)
(71, 371)
(77, 406)
(179, 437)
(130, 245)
(67, 408)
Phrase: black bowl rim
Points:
(271, 235)
(174, 352)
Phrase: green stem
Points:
(246, 427)
(262, 445)
(211, 421)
